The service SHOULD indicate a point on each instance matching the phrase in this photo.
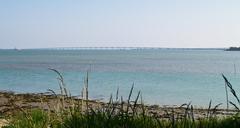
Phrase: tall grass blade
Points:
(215, 108)
(129, 98)
(135, 102)
(231, 88)
(234, 105)
(117, 94)
(209, 109)
(86, 91)
(61, 82)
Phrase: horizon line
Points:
(75, 48)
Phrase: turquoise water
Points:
(163, 76)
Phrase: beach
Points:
(11, 103)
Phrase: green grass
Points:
(41, 119)
(117, 114)
(31, 119)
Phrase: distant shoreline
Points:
(117, 48)
(233, 49)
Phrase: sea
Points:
(163, 76)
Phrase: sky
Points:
(119, 23)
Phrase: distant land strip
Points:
(123, 48)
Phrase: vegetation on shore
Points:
(117, 113)
(233, 49)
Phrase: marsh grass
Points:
(117, 113)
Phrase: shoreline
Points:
(11, 103)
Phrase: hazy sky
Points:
(119, 23)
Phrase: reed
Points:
(233, 92)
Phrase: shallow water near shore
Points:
(169, 77)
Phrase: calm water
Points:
(164, 76)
